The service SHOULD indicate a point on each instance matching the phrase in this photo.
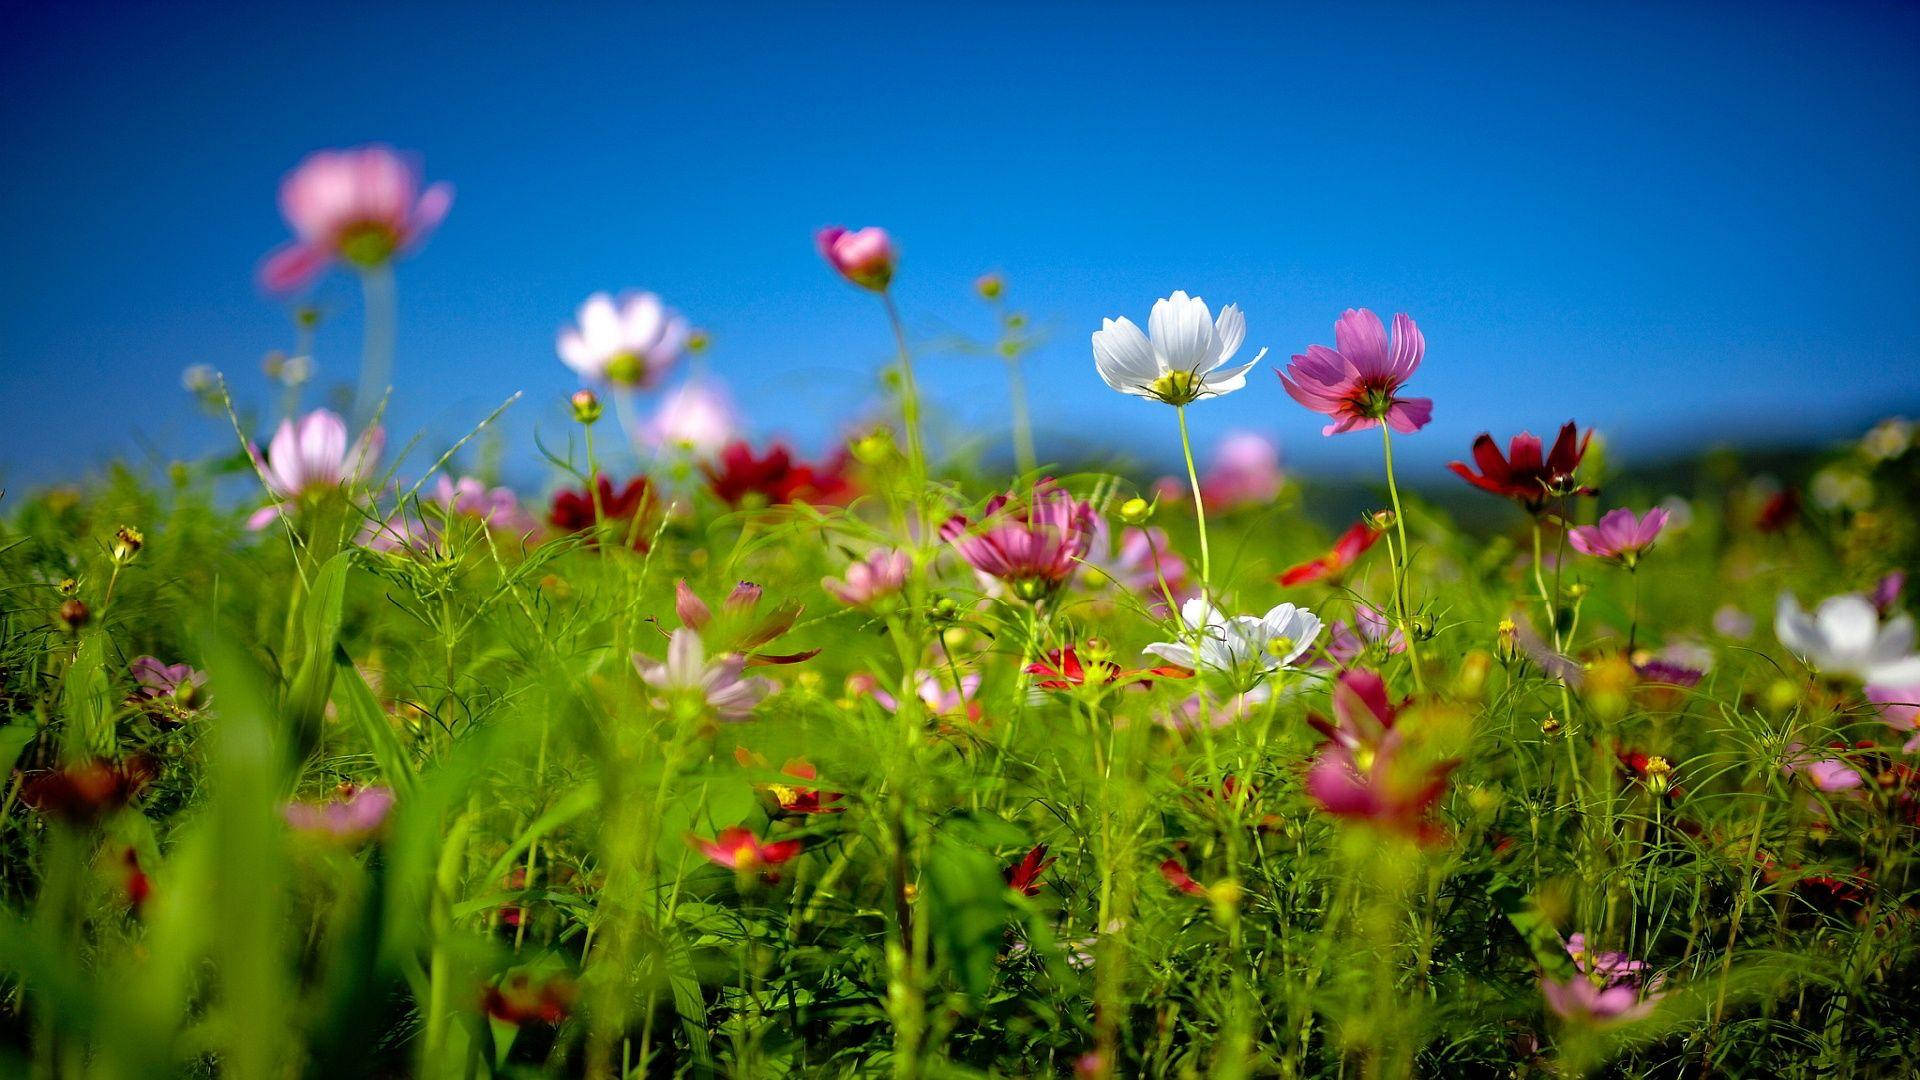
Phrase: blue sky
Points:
(1680, 223)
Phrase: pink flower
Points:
(496, 508)
(1245, 472)
(865, 257)
(1581, 999)
(312, 456)
(1138, 562)
(1346, 644)
(631, 343)
(1032, 547)
(1899, 709)
(1618, 535)
(935, 689)
(717, 685)
(738, 848)
(1361, 773)
(349, 818)
(1358, 383)
(362, 206)
(1612, 967)
(694, 416)
(880, 575)
(1827, 774)
(154, 679)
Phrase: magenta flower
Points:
(1619, 536)
(1358, 383)
(864, 257)
(1346, 644)
(687, 675)
(872, 579)
(1899, 709)
(496, 508)
(1245, 472)
(362, 206)
(169, 694)
(631, 343)
(1033, 547)
(1830, 775)
(353, 816)
(935, 689)
(1611, 967)
(1581, 999)
(311, 457)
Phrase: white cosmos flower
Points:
(629, 343)
(1179, 359)
(1844, 636)
(1243, 645)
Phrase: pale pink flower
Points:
(935, 689)
(1245, 472)
(880, 575)
(718, 684)
(1826, 774)
(312, 456)
(362, 206)
(1899, 709)
(1618, 535)
(348, 819)
(696, 417)
(1137, 561)
(1581, 999)
(631, 342)
(497, 508)
(1358, 382)
(864, 257)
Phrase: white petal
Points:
(1795, 630)
(1182, 333)
(600, 324)
(1849, 624)
(1229, 330)
(1123, 356)
(1172, 653)
(1902, 672)
(641, 321)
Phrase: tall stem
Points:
(1024, 458)
(1401, 560)
(910, 415)
(376, 357)
(1199, 504)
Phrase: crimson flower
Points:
(518, 999)
(776, 478)
(794, 799)
(738, 848)
(624, 510)
(87, 791)
(1346, 551)
(1363, 773)
(1177, 876)
(1023, 877)
(1062, 669)
(1522, 473)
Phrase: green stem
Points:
(1401, 561)
(910, 415)
(376, 358)
(1199, 504)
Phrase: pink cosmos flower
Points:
(1138, 561)
(362, 206)
(353, 816)
(717, 685)
(880, 575)
(1033, 546)
(1360, 774)
(740, 849)
(1611, 967)
(1245, 472)
(864, 257)
(154, 680)
(935, 689)
(697, 417)
(1358, 383)
(1345, 644)
(1827, 774)
(630, 343)
(312, 456)
(1900, 710)
(1581, 999)
(1618, 535)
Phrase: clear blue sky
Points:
(1678, 222)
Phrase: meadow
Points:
(331, 758)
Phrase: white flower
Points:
(1844, 636)
(694, 417)
(1242, 645)
(687, 672)
(631, 344)
(1180, 358)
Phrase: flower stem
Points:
(376, 357)
(910, 415)
(1401, 560)
(1199, 504)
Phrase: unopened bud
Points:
(874, 447)
(1381, 520)
(1550, 726)
(127, 542)
(586, 406)
(307, 316)
(989, 286)
(1578, 590)
(68, 587)
(1136, 511)
(1506, 641)
(698, 341)
(73, 615)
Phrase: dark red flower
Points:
(1023, 877)
(624, 512)
(1176, 874)
(518, 999)
(1062, 669)
(139, 885)
(1346, 551)
(1779, 511)
(87, 791)
(1522, 474)
(776, 477)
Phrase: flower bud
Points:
(1550, 726)
(873, 448)
(68, 587)
(1136, 511)
(1659, 774)
(864, 257)
(1381, 520)
(586, 406)
(73, 615)
(127, 542)
(699, 341)
(1578, 590)
(307, 316)
(989, 286)
(1506, 641)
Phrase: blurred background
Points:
(1685, 224)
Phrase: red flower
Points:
(794, 799)
(1346, 551)
(1177, 876)
(624, 511)
(1523, 475)
(1063, 670)
(517, 999)
(1023, 877)
(85, 792)
(139, 885)
(776, 478)
(738, 848)
(1780, 511)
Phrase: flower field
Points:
(328, 757)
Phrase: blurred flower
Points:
(793, 798)
(631, 343)
(168, 692)
(517, 999)
(1579, 999)
(1886, 592)
(1138, 562)
(1362, 711)
(1245, 472)
(87, 791)
(1177, 876)
(1840, 488)
(1781, 509)
(1032, 546)
(688, 676)
(881, 574)
(1346, 551)
(312, 456)
(865, 257)
(1344, 645)
(739, 848)
(1242, 645)
(1522, 474)
(200, 379)
(1899, 708)
(353, 815)
(738, 477)
(1023, 877)
(1179, 360)
(1844, 636)
(1888, 439)
(1827, 774)
(1357, 384)
(1373, 783)
(497, 508)
(1618, 535)
(935, 689)
(1730, 621)
(737, 629)
(362, 206)
(1612, 968)
(696, 417)
(625, 511)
